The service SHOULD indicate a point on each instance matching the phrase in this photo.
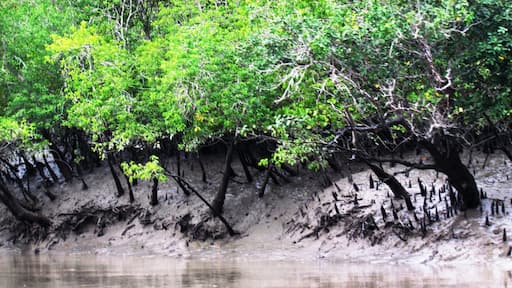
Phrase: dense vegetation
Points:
(129, 82)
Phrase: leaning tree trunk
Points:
(448, 162)
(18, 211)
(393, 184)
(186, 186)
(25, 190)
(218, 201)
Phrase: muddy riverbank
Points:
(306, 219)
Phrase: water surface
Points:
(18, 270)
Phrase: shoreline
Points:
(266, 224)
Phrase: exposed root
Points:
(364, 227)
(201, 230)
(326, 221)
(100, 218)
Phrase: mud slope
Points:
(447, 237)
(293, 220)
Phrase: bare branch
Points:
(413, 165)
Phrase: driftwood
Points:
(127, 228)
(85, 216)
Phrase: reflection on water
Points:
(107, 271)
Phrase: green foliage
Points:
(147, 171)
(485, 62)
(100, 88)
(18, 134)
(294, 71)
(199, 74)
(29, 87)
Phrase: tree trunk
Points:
(203, 171)
(252, 161)
(218, 201)
(333, 163)
(265, 182)
(502, 141)
(242, 158)
(154, 193)
(86, 163)
(80, 176)
(29, 167)
(49, 194)
(449, 163)
(65, 170)
(277, 173)
(130, 190)
(17, 179)
(119, 187)
(178, 162)
(40, 168)
(184, 184)
(18, 211)
(393, 184)
(507, 152)
(19, 182)
(50, 170)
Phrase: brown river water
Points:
(17, 270)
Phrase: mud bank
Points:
(303, 219)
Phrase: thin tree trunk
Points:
(29, 168)
(290, 170)
(130, 190)
(184, 184)
(40, 170)
(65, 170)
(502, 143)
(7, 176)
(85, 151)
(265, 182)
(201, 165)
(49, 194)
(242, 158)
(280, 175)
(19, 182)
(252, 161)
(218, 201)
(154, 193)
(273, 177)
(333, 163)
(507, 152)
(50, 170)
(178, 162)
(119, 187)
(79, 173)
